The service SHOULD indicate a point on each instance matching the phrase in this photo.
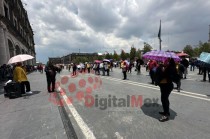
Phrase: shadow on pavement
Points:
(35, 92)
(26, 96)
(153, 109)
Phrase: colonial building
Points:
(16, 34)
(72, 57)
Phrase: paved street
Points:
(31, 117)
(106, 112)
(189, 108)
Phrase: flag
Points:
(159, 33)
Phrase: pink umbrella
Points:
(160, 55)
(182, 54)
(19, 58)
(97, 61)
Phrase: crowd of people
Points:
(6, 71)
(163, 74)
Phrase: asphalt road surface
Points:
(107, 107)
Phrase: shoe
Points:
(164, 118)
(29, 92)
(164, 114)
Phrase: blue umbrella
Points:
(204, 60)
(205, 57)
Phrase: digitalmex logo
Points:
(75, 88)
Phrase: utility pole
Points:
(159, 35)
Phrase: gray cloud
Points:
(65, 26)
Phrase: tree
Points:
(205, 47)
(115, 56)
(196, 52)
(108, 56)
(147, 47)
(123, 55)
(189, 50)
(132, 53)
(138, 54)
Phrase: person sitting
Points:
(19, 76)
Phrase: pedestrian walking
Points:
(180, 71)
(69, 67)
(185, 63)
(20, 77)
(88, 67)
(51, 70)
(74, 69)
(124, 70)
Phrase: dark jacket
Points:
(51, 71)
(169, 73)
(185, 63)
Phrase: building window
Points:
(21, 31)
(6, 11)
(15, 23)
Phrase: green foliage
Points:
(205, 47)
(147, 47)
(189, 50)
(108, 56)
(115, 56)
(132, 53)
(138, 54)
(123, 55)
(195, 52)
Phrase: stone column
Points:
(7, 46)
(3, 50)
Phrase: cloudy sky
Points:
(65, 26)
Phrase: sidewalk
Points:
(31, 117)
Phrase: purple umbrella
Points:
(160, 55)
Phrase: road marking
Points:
(183, 93)
(83, 126)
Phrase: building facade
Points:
(70, 58)
(16, 34)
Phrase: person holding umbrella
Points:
(164, 78)
(19, 76)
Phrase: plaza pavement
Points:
(31, 117)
